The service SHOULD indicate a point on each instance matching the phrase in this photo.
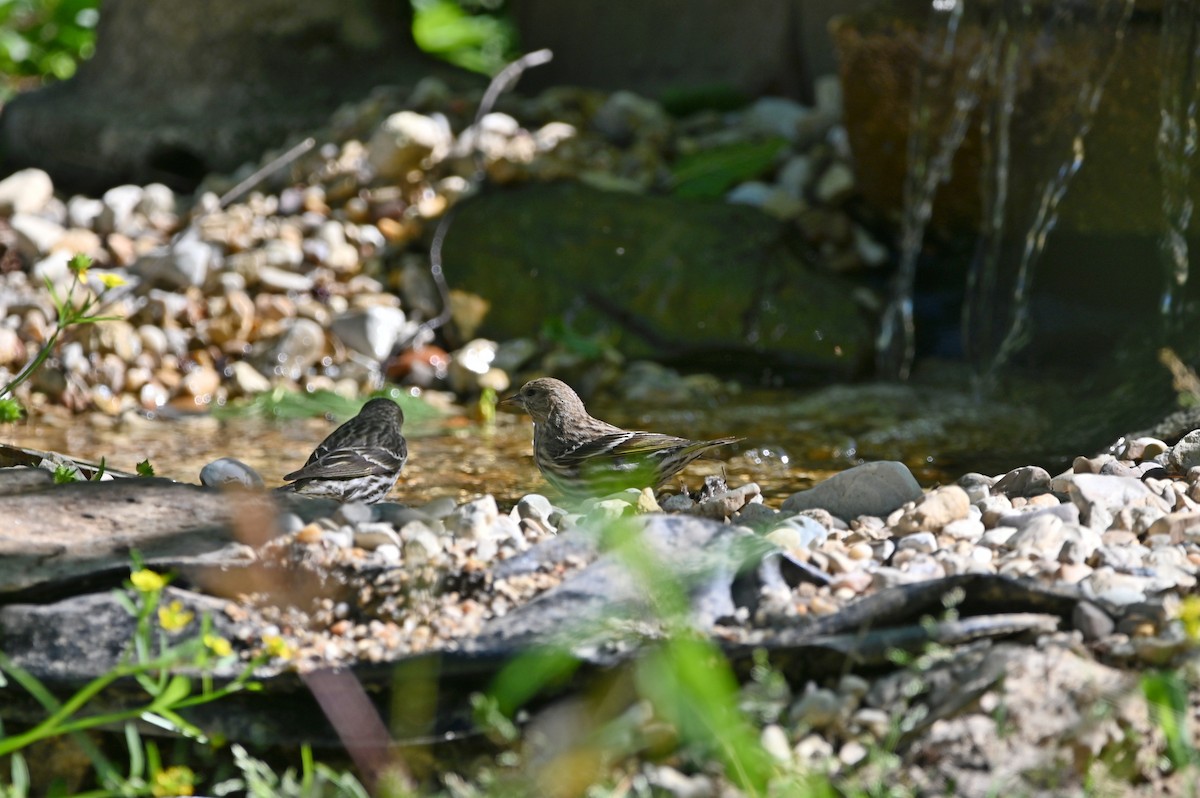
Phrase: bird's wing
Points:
(619, 445)
(346, 463)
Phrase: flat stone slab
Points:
(83, 528)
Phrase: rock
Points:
(835, 184)
(615, 268)
(373, 536)
(83, 211)
(934, 510)
(12, 350)
(35, 236)
(798, 533)
(228, 471)
(817, 709)
(1186, 453)
(870, 489)
(767, 198)
(795, 176)
(1024, 481)
(406, 141)
(374, 331)
(69, 531)
(1067, 513)
(24, 479)
(474, 520)
(774, 741)
(470, 363)
(25, 191)
(294, 351)
(626, 117)
(119, 205)
(202, 383)
(184, 262)
(156, 200)
(1114, 588)
(723, 505)
(353, 513)
(1098, 497)
(776, 116)
(924, 542)
(1178, 526)
(247, 379)
(283, 280)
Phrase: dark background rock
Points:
(697, 284)
(177, 90)
(673, 48)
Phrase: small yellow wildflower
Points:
(276, 646)
(175, 780)
(174, 617)
(111, 280)
(218, 645)
(1189, 614)
(147, 581)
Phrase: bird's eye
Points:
(527, 392)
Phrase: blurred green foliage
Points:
(472, 34)
(42, 39)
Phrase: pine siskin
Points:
(360, 461)
(581, 455)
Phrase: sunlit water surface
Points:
(791, 440)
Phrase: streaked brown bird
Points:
(360, 461)
(582, 455)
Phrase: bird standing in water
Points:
(582, 455)
(360, 461)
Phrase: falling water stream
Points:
(991, 60)
(1177, 143)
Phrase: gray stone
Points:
(406, 141)
(1186, 453)
(1068, 513)
(798, 533)
(614, 264)
(371, 536)
(25, 191)
(83, 211)
(156, 199)
(294, 351)
(835, 184)
(439, 508)
(23, 479)
(282, 280)
(625, 117)
(1025, 481)
(184, 262)
(353, 513)
(119, 205)
(934, 510)
(248, 379)
(1099, 497)
(776, 116)
(924, 542)
(228, 471)
(536, 507)
(1091, 621)
(795, 176)
(373, 331)
(35, 236)
(475, 520)
(725, 504)
(870, 489)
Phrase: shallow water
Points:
(791, 440)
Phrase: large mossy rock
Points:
(697, 284)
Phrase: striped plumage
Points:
(360, 461)
(582, 455)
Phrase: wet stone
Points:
(1024, 481)
(229, 471)
(875, 488)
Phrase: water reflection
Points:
(792, 439)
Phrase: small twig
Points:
(262, 173)
(502, 82)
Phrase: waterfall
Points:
(993, 63)
(1176, 147)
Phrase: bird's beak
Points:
(512, 401)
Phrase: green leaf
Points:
(144, 469)
(10, 410)
(64, 474)
(708, 174)
(99, 475)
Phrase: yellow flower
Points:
(111, 280)
(218, 645)
(1189, 614)
(175, 780)
(147, 581)
(174, 617)
(276, 646)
